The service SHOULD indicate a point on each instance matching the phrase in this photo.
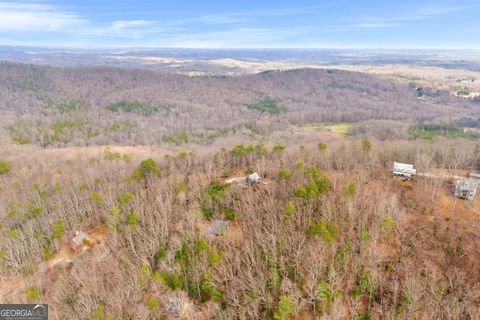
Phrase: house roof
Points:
(467, 185)
(403, 168)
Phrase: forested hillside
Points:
(327, 234)
(85, 106)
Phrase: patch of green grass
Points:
(341, 127)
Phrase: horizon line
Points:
(235, 48)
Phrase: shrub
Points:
(212, 200)
(366, 145)
(285, 309)
(367, 284)
(126, 198)
(322, 146)
(170, 280)
(284, 174)
(350, 189)
(241, 150)
(326, 295)
(208, 213)
(230, 214)
(4, 167)
(300, 164)
(33, 295)
(115, 214)
(182, 186)
(209, 291)
(366, 235)
(289, 210)
(387, 225)
(325, 230)
(321, 182)
(279, 148)
(177, 139)
(152, 303)
(217, 190)
(147, 168)
(132, 219)
(214, 257)
(12, 233)
(58, 229)
(47, 252)
(96, 198)
(100, 314)
(37, 211)
(160, 254)
(301, 193)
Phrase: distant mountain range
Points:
(236, 61)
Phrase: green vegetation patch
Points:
(430, 131)
(67, 106)
(147, 168)
(62, 130)
(341, 127)
(204, 136)
(4, 167)
(143, 108)
(268, 105)
(122, 126)
(177, 139)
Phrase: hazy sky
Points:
(241, 24)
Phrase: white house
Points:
(466, 189)
(403, 171)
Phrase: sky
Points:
(420, 24)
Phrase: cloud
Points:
(23, 17)
(237, 38)
(422, 13)
(125, 24)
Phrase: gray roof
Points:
(466, 189)
(404, 168)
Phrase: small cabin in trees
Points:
(254, 178)
(466, 189)
(403, 171)
(244, 182)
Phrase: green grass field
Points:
(342, 128)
